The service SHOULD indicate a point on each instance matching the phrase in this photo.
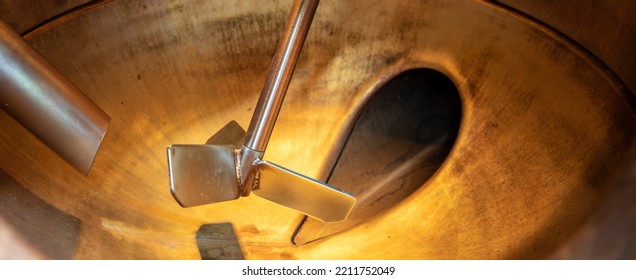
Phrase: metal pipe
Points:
(47, 104)
(280, 74)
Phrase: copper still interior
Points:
(546, 128)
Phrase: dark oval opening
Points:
(402, 136)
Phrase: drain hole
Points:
(402, 136)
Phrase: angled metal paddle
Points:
(231, 163)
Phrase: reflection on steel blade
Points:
(202, 174)
(302, 193)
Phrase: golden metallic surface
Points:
(608, 31)
(23, 15)
(543, 131)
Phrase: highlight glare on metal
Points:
(202, 174)
(47, 104)
(280, 74)
(304, 194)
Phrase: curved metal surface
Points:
(544, 128)
(24, 15)
(402, 136)
(280, 73)
(273, 93)
(40, 98)
(600, 16)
